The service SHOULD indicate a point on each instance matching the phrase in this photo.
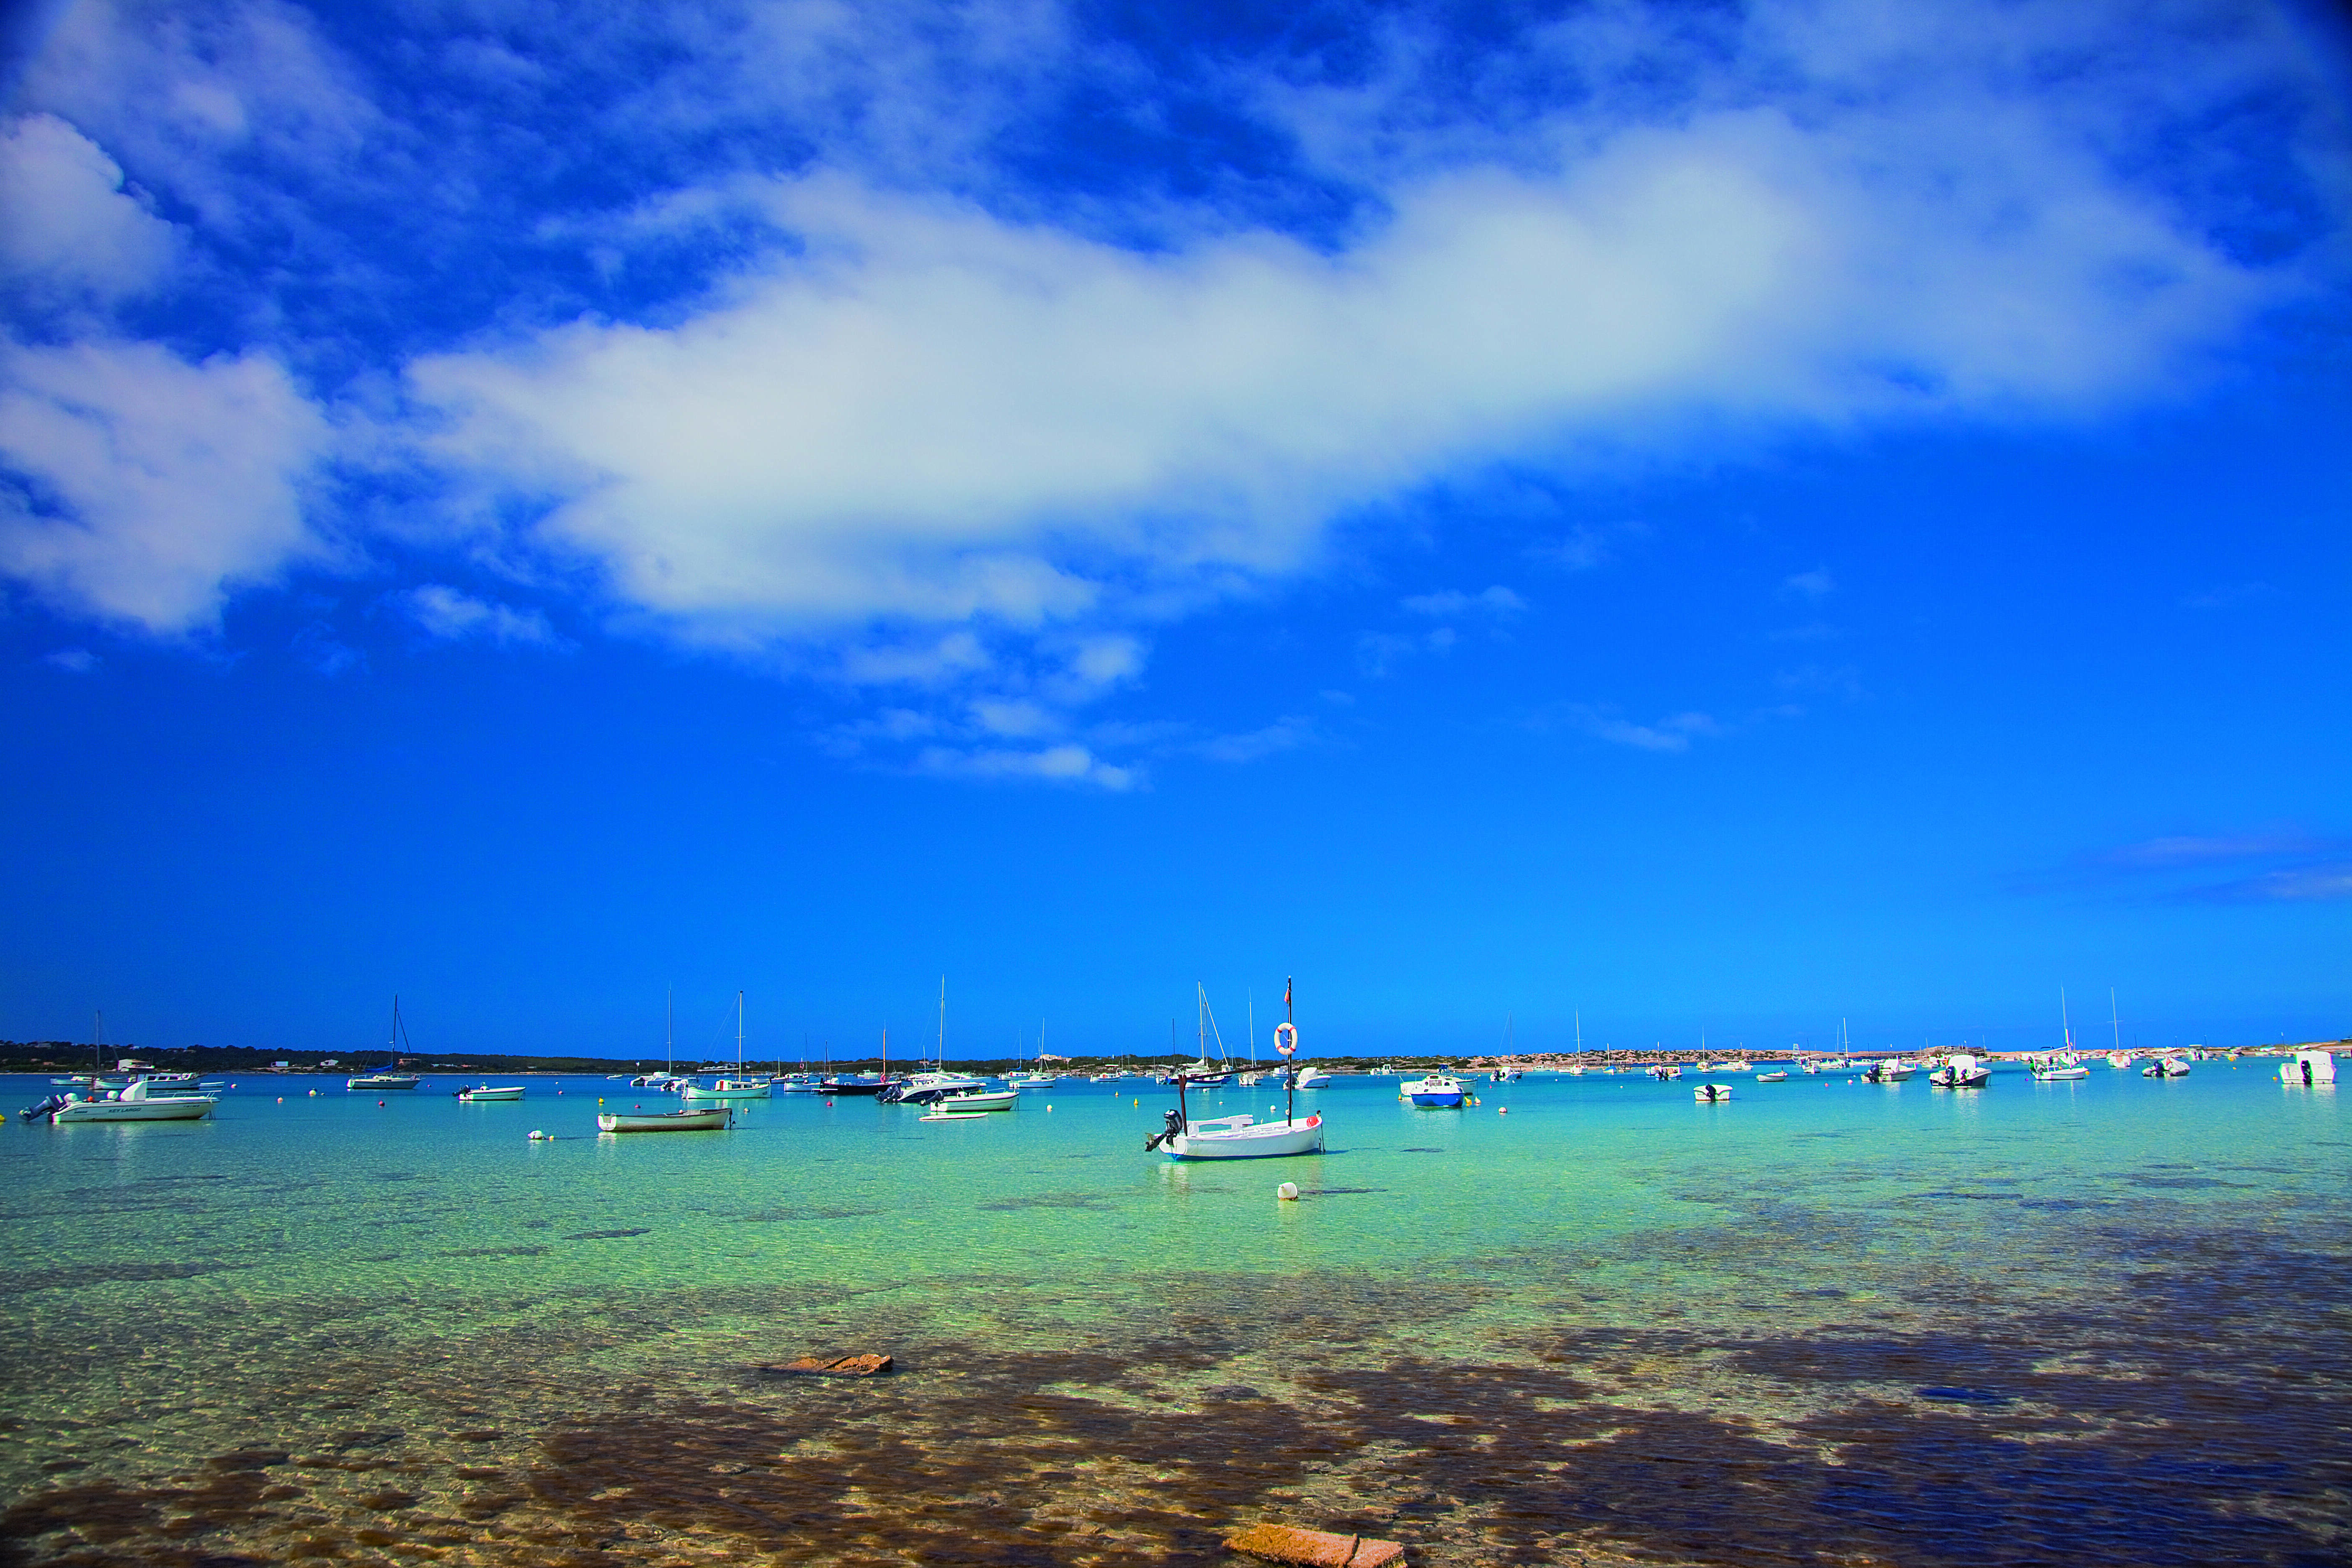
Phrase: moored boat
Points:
(368, 1081)
(1439, 1089)
(136, 1102)
(2168, 1066)
(489, 1093)
(1960, 1070)
(1710, 1093)
(1771, 1078)
(713, 1119)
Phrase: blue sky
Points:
(1706, 517)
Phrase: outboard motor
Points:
(46, 1110)
(1175, 1125)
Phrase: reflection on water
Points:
(1827, 1322)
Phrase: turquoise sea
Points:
(1585, 1319)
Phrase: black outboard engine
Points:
(1175, 1125)
(46, 1110)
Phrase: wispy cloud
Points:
(72, 660)
(2231, 596)
(1282, 735)
(2211, 868)
(444, 613)
(1815, 584)
(1675, 732)
(1063, 765)
(1497, 601)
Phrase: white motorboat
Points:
(2168, 1067)
(1776, 1077)
(135, 1102)
(1252, 1080)
(949, 1111)
(1664, 1071)
(368, 1081)
(1020, 1081)
(711, 1120)
(1709, 1093)
(1737, 1067)
(977, 1101)
(1442, 1091)
(1893, 1069)
(924, 1088)
(2308, 1068)
(489, 1093)
(1312, 1078)
(2119, 1059)
(2057, 1069)
(1105, 1077)
(1960, 1070)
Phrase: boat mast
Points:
(2116, 1015)
(738, 1034)
(1290, 1076)
(942, 1063)
(2065, 1029)
(669, 1031)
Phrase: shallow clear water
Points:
(2102, 1320)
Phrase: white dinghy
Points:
(2308, 1067)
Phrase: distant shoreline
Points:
(58, 1056)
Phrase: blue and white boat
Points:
(1439, 1088)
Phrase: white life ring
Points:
(1285, 1039)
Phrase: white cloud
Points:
(1495, 601)
(1282, 735)
(1070, 763)
(444, 613)
(153, 484)
(72, 660)
(1815, 584)
(67, 225)
(1672, 734)
(934, 413)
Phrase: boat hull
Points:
(712, 1121)
(489, 1096)
(699, 1096)
(1249, 1141)
(194, 1108)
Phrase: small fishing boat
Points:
(1312, 1078)
(1241, 1138)
(487, 1093)
(2056, 1070)
(1710, 1093)
(2119, 1059)
(1664, 1071)
(1439, 1089)
(1771, 1078)
(2168, 1067)
(1960, 1070)
(951, 1111)
(727, 1090)
(1893, 1070)
(1741, 1065)
(711, 1120)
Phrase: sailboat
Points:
(925, 1088)
(665, 1082)
(730, 1091)
(1254, 1077)
(1202, 1072)
(1037, 1077)
(861, 1083)
(1508, 1070)
(1241, 1137)
(388, 1076)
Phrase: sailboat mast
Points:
(2065, 1027)
(942, 1063)
(738, 1034)
(669, 1030)
(1251, 997)
(2117, 1015)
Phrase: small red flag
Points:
(1286, 990)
